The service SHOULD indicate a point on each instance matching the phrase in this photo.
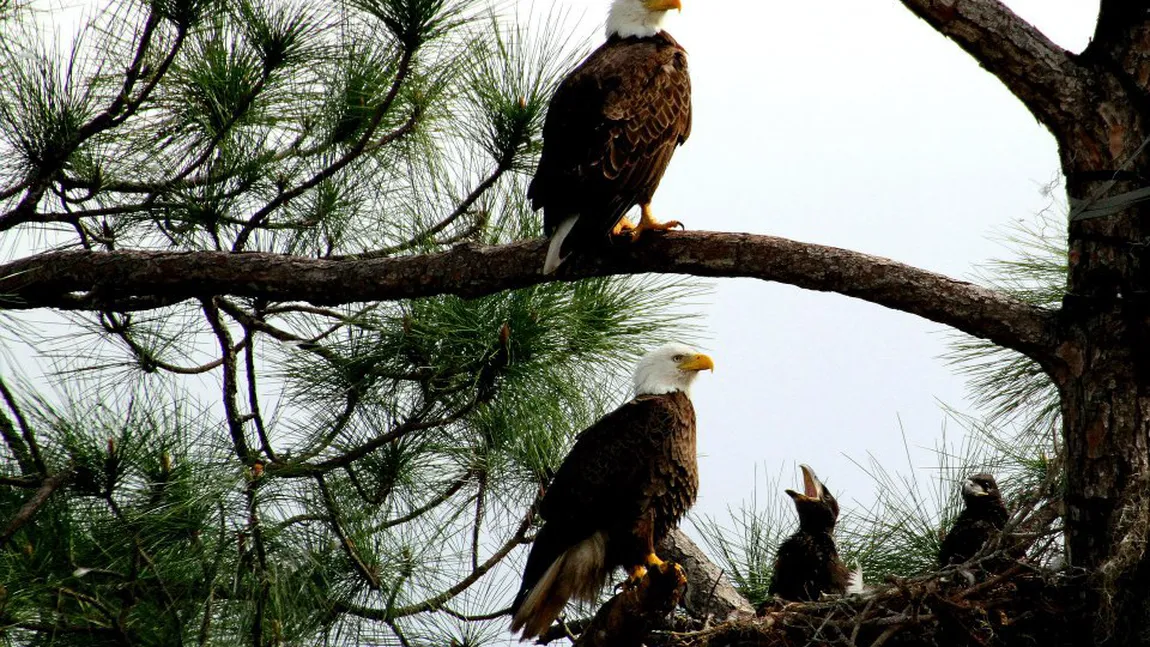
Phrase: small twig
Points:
(711, 594)
(479, 505)
(398, 634)
(364, 570)
(432, 503)
(479, 617)
(885, 635)
(567, 630)
(428, 234)
(860, 618)
(39, 497)
(231, 388)
(25, 429)
(249, 343)
(990, 583)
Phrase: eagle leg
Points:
(623, 227)
(634, 576)
(647, 222)
(653, 562)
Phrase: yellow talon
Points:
(647, 222)
(634, 576)
(622, 227)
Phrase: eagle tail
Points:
(577, 572)
(553, 259)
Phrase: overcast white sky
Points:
(848, 123)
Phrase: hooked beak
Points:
(698, 362)
(973, 489)
(662, 5)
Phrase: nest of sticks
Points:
(1007, 596)
(1020, 605)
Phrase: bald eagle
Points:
(611, 128)
(808, 563)
(983, 517)
(621, 489)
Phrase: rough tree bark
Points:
(1097, 106)
(128, 280)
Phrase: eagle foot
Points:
(654, 226)
(647, 222)
(623, 228)
(666, 568)
(634, 576)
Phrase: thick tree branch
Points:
(710, 594)
(1041, 74)
(52, 279)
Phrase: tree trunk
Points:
(1105, 381)
(1097, 106)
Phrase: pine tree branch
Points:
(34, 503)
(428, 234)
(30, 445)
(121, 108)
(403, 68)
(249, 342)
(230, 382)
(433, 503)
(16, 446)
(1041, 74)
(52, 279)
(365, 571)
(435, 602)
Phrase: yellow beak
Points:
(698, 362)
(662, 5)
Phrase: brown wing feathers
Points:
(639, 460)
(610, 131)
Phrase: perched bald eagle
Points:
(983, 516)
(808, 563)
(624, 485)
(610, 131)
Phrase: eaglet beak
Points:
(662, 5)
(698, 362)
(812, 487)
(974, 489)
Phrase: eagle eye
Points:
(677, 358)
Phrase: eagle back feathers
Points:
(640, 455)
(610, 131)
(632, 470)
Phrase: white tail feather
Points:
(553, 260)
(577, 573)
(855, 585)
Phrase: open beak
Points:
(812, 487)
(663, 5)
(698, 362)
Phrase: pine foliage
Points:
(226, 471)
